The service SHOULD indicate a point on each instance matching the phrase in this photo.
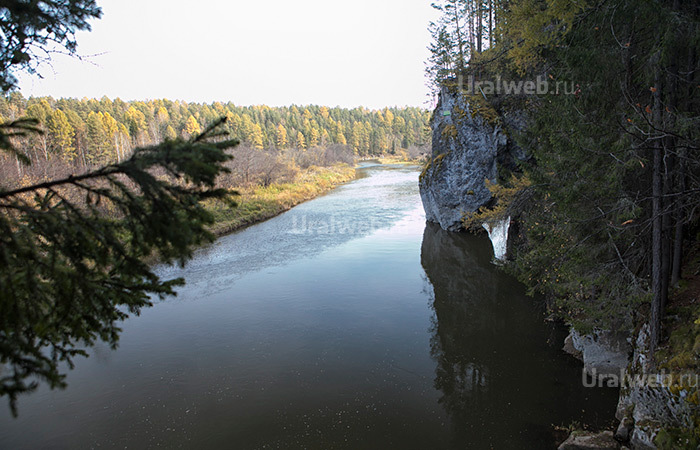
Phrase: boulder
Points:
(605, 354)
(590, 441)
(570, 349)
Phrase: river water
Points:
(346, 322)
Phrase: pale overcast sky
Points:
(275, 52)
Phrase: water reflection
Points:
(296, 337)
(498, 383)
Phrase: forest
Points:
(606, 207)
(79, 134)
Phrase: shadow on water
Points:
(499, 383)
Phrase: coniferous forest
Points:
(605, 205)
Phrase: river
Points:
(346, 322)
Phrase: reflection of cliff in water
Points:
(499, 365)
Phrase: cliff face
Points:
(467, 150)
(470, 146)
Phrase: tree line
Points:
(90, 132)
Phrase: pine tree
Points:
(96, 138)
(26, 28)
(68, 272)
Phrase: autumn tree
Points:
(61, 134)
(282, 140)
(301, 141)
(256, 136)
(192, 127)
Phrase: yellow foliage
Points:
(450, 131)
(481, 108)
(504, 196)
(435, 162)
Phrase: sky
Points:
(277, 52)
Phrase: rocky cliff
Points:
(470, 142)
(655, 403)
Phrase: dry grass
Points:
(260, 203)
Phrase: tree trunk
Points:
(679, 215)
(460, 41)
(656, 215)
(490, 23)
(665, 255)
(677, 182)
(470, 15)
(479, 25)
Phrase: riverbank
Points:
(420, 161)
(260, 203)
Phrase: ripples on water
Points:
(343, 323)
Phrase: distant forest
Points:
(89, 132)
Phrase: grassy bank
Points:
(392, 159)
(261, 203)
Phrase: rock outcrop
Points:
(604, 354)
(467, 150)
(471, 144)
(654, 400)
(590, 441)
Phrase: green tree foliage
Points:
(73, 250)
(29, 30)
(621, 178)
(97, 139)
(463, 30)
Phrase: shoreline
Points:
(258, 204)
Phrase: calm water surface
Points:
(343, 323)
